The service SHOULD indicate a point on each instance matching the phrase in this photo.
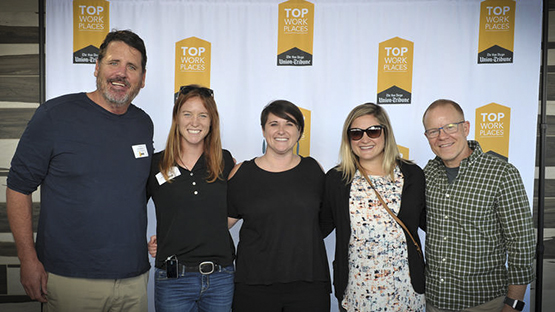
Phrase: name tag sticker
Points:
(140, 151)
(174, 172)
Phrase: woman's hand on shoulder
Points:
(153, 246)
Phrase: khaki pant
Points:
(494, 305)
(81, 294)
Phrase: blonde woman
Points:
(378, 265)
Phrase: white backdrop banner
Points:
(348, 39)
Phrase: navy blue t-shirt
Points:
(92, 167)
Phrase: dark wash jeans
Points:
(192, 291)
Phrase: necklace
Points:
(183, 163)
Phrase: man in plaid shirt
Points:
(478, 219)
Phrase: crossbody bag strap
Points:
(384, 204)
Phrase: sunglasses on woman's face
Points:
(372, 132)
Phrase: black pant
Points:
(282, 297)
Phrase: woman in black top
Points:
(188, 184)
(281, 258)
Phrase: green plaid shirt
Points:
(473, 224)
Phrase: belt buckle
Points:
(210, 263)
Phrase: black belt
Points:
(204, 268)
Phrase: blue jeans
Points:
(192, 291)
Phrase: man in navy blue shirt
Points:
(90, 153)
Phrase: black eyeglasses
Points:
(201, 90)
(372, 132)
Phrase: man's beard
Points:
(115, 98)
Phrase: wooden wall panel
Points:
(19, 34)
(19, 64)
(19, 89)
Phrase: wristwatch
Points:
(513, 303)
